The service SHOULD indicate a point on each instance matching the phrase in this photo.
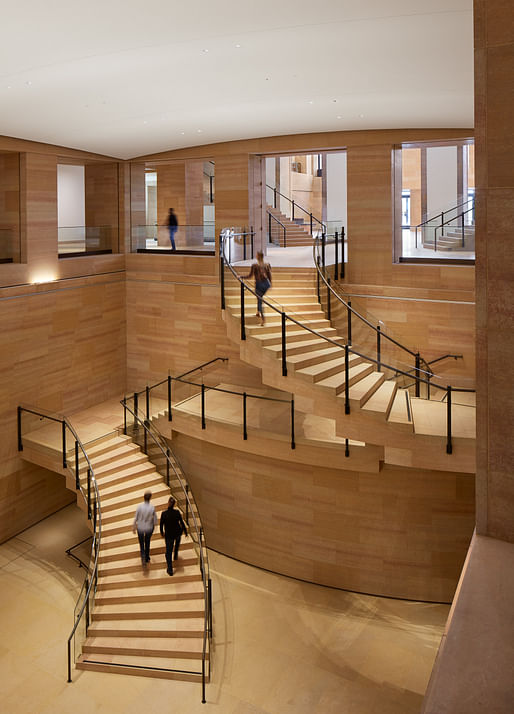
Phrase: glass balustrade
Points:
(82, 240)
(190, 238)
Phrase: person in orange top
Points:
(261, 271)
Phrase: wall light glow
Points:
(45, 276)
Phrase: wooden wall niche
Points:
(10, 246)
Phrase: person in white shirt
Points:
(145, 521)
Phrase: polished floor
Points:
(281, 646)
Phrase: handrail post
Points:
(284, 364)
(168, 467)
(209, 601)
(87, 604)
(346, 448)
(222, 275)
(77, 475)
(310, 214)
(323, 243)
(243, 330)
(317, 276)
(336, 249)
(145, 438)
(20, 442)
(379, 366)
(244, 244)
(275, 197)
(187, 504)
(349, 320)
(329, 315)
(245, 433)
(346, 380)
(284, 241)
(64, 462)
(170, 418)
(252, 236)
(203, 405)
(293, 444)
(125, 415)
(69, 661)
(292, 210)
(343, 266)
(147, 395)
(418, 367)
(269, 228)
(449, 447)
(136, 408)
(89, 494)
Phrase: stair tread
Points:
(380, 401)
(362, 388)
(169, 589)
(165, 644)
(148, 628)
(399, 413)
(337, 379)
(192, 673)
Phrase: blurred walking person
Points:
(172, 527)
(145, 521)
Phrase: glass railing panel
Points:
(78, 240)
(197, 238)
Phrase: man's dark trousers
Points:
(172, 546)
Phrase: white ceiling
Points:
(126, 78)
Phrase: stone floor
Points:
(281, 646)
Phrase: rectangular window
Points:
(434, 202)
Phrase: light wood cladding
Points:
(62, 347)
(174, 320)
(194, 202)
(10, 205)
(101, 199)
(494, 106)
(400, 532)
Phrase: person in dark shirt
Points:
(261, 271)
(172, 227)
(172, 526)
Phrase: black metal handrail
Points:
(245, 396)
(68, 552)
(271, 218)
(427, 222)
(94, 514)
(447, 224)
(159, 441)
(296, 205)
(346, 347)
(146, 391)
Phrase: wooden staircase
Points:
(144, 622)
(297, 232)
(381, 413)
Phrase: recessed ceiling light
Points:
(199, 131)
(144, 121)
(28, 83)
(9, 87)
(205, 50)
(182, 132)
(268, 79)
(339, 116)
(310, 101)
(334, 100)
(361, 116)
(238, 46)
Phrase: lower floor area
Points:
(280, 645)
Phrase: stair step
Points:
(155, 576)
(134, 483)
(183, 628)
(364, 388)
(172, 591)
(301, 347)
(381, 401)
(119, 551)
(292, 335)
(301, 361)
(336, 383)
(124, 473)
(114, 466)
(317, 372)
(115, 500)
(150, 611)
(138, 666)
(172, 647)
(400, 411)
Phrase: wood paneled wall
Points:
(494, 112)
(102, 199)
(9, 193)
(171, 193)
(174, 320)
(62, 348)
(400, 532)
